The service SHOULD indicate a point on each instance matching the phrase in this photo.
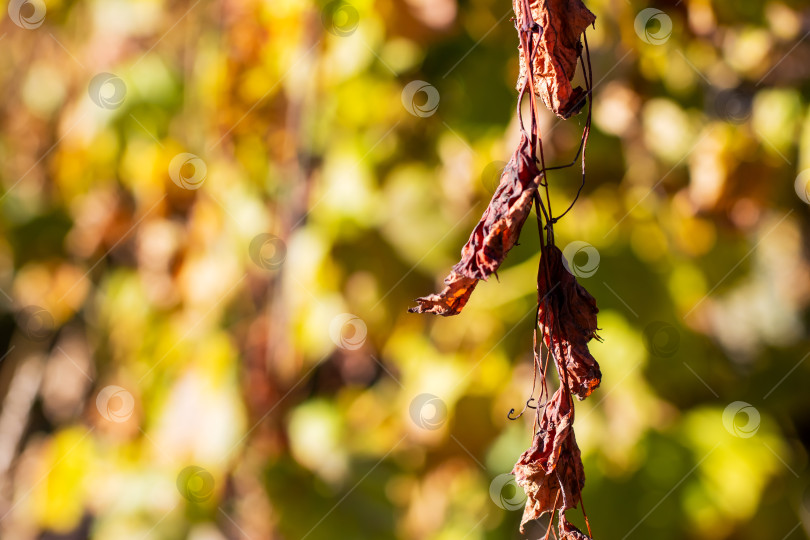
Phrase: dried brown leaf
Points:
(550, 471)
(499, 228)
(554, 428)
(493, 236)
(555, 56)
(570, 532)
(450, 300)
(567, 319)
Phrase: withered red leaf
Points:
(556, 54)
(499, 228)
(554, 428)
(567, 319)
(551, 471)
(450, 300)
(493, 237)
(569, 532)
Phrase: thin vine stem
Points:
(588, 75)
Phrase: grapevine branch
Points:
(550, 35)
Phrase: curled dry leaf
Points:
(567, 319)
(569, 532)
(554, 61)
(450, 300)
(558, 489)
(550, 471)
(493, 237)
(554, 427)
(499, 228)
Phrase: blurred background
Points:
(216, 213)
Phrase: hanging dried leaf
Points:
(551, 471)
(567, 319)
(569, 532)
(554, 427)
(499, 228)
(493, 237)
(555, 57)
(451, 300)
